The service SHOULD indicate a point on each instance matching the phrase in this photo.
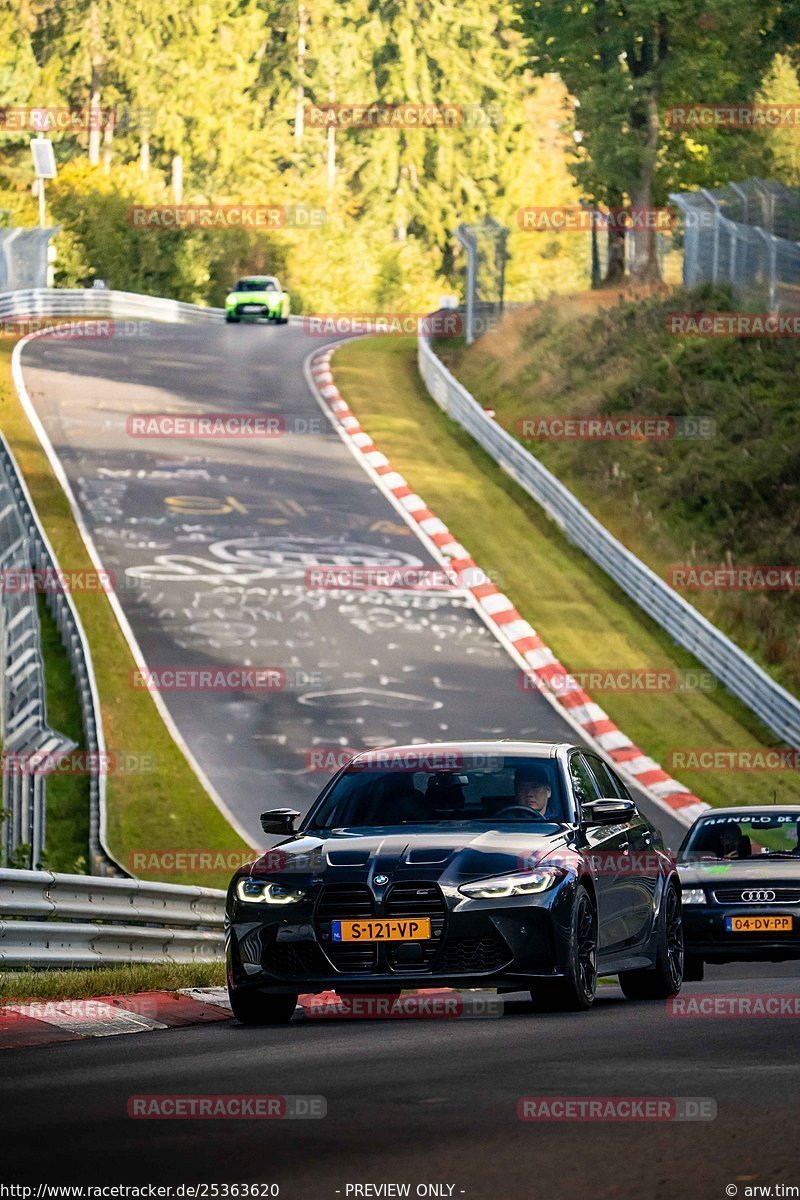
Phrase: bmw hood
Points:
(449, 856)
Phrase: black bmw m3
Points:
(508, 865)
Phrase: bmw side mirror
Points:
(608, 812)
(279, 820)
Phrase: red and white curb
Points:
(498, 612)
(44, 1022)
(48, 1022)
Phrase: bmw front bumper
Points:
(475, 943)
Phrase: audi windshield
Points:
(746, 835)
(498, 790)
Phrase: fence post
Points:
(715, 252)
(772, 261)
(470, 244)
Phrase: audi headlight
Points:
(259, 891)
(694, 896)
(521, 883)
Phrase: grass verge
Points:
(582, 615)
(729, 498)
(67, 830)
(149, 811)
(108, 981)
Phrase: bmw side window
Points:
(622, 791)
(583, 782)
(605, 780)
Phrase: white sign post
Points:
(44, 164)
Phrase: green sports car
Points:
(255, 297)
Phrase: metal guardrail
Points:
(101, 302)
(777, 708)
(81, 920)
(24, 730)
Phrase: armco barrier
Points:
(24, 729)
(80, 920)
(101, 302)
(777, 708)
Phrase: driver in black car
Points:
(531, 790)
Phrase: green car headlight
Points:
(693, 896)
(520, 883)
(259, 891)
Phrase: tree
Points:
(781, 85)
(625, 61)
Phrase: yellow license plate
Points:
(758, 924)
(402, 929)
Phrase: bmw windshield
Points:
(494, 790)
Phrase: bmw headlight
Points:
(694, 896)
(521, 883)
(259, 891)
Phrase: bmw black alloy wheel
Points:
(586, 946)
(576, 991)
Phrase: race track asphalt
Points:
(210, 540)
(426, 1101)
